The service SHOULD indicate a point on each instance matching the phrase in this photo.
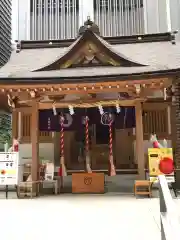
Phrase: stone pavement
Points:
(80, 217)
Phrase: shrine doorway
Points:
(123, 149)
(99, 148)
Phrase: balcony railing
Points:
(170, 224)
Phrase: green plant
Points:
(5, 128)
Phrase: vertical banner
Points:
(161, 162)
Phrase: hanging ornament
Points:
(165, 94)
(71, 110)
(62, 146)
(112, 167)
(54, 110)
(88, 168)
(106, 118)
(87, 133)
(118, 108)
(101, 109)
(49, 123)
(62, 136)
(110, 139)
(138, 88)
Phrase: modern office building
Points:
(60, 19)
(5, 31)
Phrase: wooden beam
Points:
(140, 141)
(18, 87)
(23, 109)
(35, 142)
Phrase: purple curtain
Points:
(49, 122)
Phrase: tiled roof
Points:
(158, 56)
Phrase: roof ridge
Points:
(139, 38)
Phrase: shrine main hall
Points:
(134, 79)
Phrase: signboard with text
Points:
(9, 168)
(161, 162)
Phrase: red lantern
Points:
(166, 165)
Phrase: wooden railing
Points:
(155, 121)
(169, 217)
(26, 131)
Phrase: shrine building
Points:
(135, 78)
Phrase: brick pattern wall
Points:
(176, 129)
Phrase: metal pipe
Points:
(58, 19)
(35, 19)
(46, 17)
(169, 218)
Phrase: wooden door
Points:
(124, 148)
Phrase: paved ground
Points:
(110, 216)
(80, 217)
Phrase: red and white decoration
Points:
(64, 173)
(88, 167)
(112, 167)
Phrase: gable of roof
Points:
(88, 47)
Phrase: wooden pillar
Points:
(140, 141)
(35, 141)
(14, 124)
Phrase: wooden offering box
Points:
(88, 182)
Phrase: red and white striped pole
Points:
(87, 133)
(112, 167)
(64, 173)
(88, 167)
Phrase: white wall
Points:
(46, 151)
